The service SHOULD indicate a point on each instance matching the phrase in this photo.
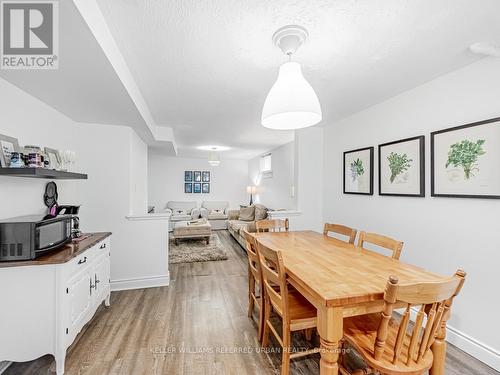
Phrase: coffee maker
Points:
(75, 220)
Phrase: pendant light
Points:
(291, 103)
(214, 158)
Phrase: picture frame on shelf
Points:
(188, 188)
(197, 187)
(188, 176)
(205, 188)
(401, 167)
(205, 176)
(197, 176)
(465, 161)
(8, 145)
(358, 171)
(54, 157)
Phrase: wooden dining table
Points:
(342, 280)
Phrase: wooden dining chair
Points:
(385, 242)
(272, 225)
(340, 229)
(296, 312)
(254, 282)
(392, 345)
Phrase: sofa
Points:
(237, 224)
(182, 211)
(215, 213)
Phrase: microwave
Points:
(29, 237)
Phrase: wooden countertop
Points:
(62, 255)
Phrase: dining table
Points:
(342, 280)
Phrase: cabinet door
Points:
(101, 277)
(80, 301)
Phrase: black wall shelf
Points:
(42, 173)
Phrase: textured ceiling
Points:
(205, 67)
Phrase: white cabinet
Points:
(44, 306)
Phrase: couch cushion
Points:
(213, 205)
(247, 214)
(219, 216)
(237, 225)
(180, 217)
(260, 212)
(185, 206)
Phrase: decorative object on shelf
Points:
(35, 160)
(54, 158)
(68, 158)
(401, 167)
(291, 103)
(197, 176)
(197, 187)
(17, 160)
(358, 171)
(205, 176)
(188, 176)
(205, 188)
(465, 161)
(251, 190)
(8, 145)
(188, 187)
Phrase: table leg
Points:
(439, 352)
(330, 330)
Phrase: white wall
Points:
(115, 160)
(228, 181)
(275, 192)
(440, 234)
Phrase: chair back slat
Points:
(382, 241)
(274, 278)
(341, 229)
(272, 225)
(434, 299)
(253, 259)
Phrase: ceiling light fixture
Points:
(291, 103)
(213, 148)
(214, 157)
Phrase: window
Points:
(266, 169)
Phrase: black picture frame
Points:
(197, 176)
(421, 193)
(188, 188)
(188, 176)
(197, 188)
(205, 176)
(433, 155)
(371, 150)
(205, 188)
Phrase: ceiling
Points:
(205, 67)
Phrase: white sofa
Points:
(215, 213)
(182, 211)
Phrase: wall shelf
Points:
(42, 173)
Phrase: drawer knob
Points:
(81, 261)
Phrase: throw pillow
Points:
(179, 212)
(260, 212)
(247, 214)
(217, 212)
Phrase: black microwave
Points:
(28, 237)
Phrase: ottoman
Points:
(192, 229)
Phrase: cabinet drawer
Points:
(103, 247)
(80, 262)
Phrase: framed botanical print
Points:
(8, 145)
(188, 187)
(205, 176)
(401, 167)
(197, 187)
(358, 171)
(188, 176)
(205, 188)
(465, 160)
(197, 176)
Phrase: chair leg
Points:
(285, 357)
(251, 290)
(267, 315)
(262, 322)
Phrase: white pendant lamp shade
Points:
(214, 158)
(291, 102)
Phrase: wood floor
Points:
(197, 325)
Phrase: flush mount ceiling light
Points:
(213, 148)
(291, 103)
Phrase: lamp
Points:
(214, 158)
(251, 190)
(291, 103)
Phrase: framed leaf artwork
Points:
(188, 187)
(401, 167)
(188, 176)
(205, 176)
(197, 188)
(197, 176)
(205, 188)
(465, 161)
(358, 171)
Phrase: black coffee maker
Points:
(75, 220)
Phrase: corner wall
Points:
(440, 234)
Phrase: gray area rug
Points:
(196, 250)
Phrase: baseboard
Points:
(140, 283)
(4, 365)
(475, 348)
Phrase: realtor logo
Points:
(29, 37)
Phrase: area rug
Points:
(196, 250)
